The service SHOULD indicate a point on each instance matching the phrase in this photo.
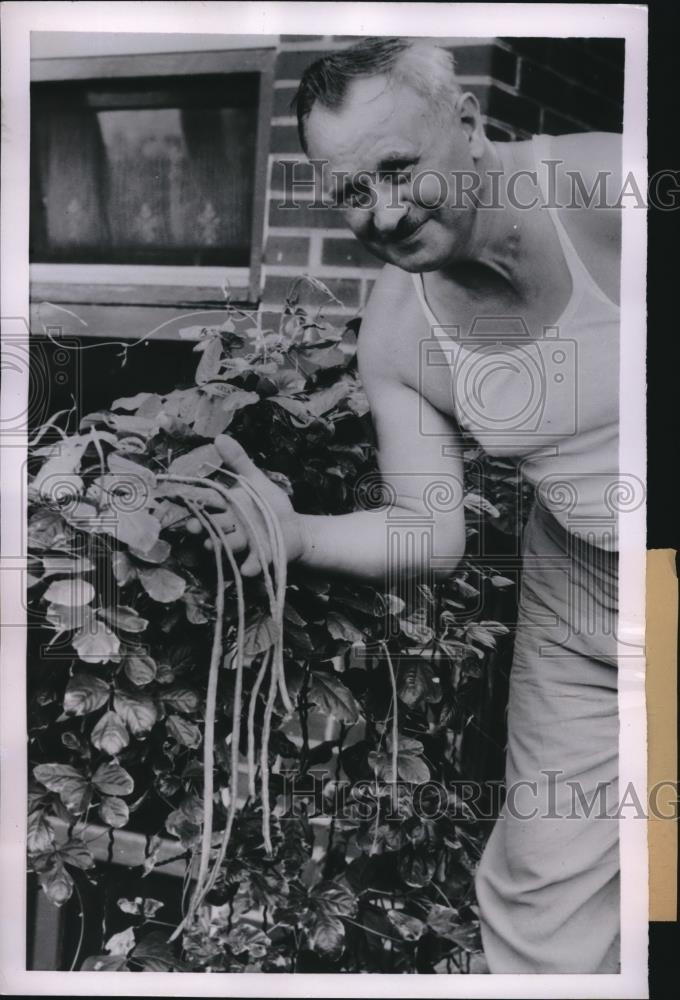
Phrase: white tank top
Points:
(551, 403)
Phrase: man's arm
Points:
(422, 473)
(421, 525)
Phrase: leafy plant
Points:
(309, 809)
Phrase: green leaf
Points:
(416, 868)
(260, 636)
(114, 811)
(130, 403)
(341, 627)
(479, 504)
(112, 779)
(140, 906)
(186, 733)
(155, 954)
(123, 618)
(335, 899)
(183, 827)
(416, 684)
(480, 635)
(245, 937)
(466, 936)
(121, 943)
(57, 884)
(157, 554)
(130, 471)
(39, 835)
(210, 418)
(140, 668)
(327, 937)
(137, 710)
(96, 643)
(104, 963)
(137, 528)
(330, 695)
(162, 585)
(76, 852)
(182, 698)
(64, 564)
(408, 927)
(123, 569)
(46, 531)
(442, 920)
(61, 467)
(70, 593)
(63, 619)
(200, 462)
(69, 784)
(412, 769)
(296, 408)
(110, 734)
(85, 693)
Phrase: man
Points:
(388, 120)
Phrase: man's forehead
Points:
(375, 112)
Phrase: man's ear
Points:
(470, 118)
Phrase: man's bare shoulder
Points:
(588, 190)
(386, 340)
(585, 160)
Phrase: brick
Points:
(347, 253)
(486, 60)
(291, 65)
(284, 139)
(568, 98)
(282, 98)
(287, 250)
(308, 218)
(498, 134)
(347, 290)
(595, 62)
(293, 177)
(516, 110)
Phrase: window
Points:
(147, 177)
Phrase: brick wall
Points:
(524, 85)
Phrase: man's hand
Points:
(242, 519)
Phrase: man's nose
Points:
(389, 209)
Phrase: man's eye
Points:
(402, 175)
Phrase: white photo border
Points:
(478, 20)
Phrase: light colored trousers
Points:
(548, 882)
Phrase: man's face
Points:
(405, 152)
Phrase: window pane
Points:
(162, 175)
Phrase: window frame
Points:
(115, 285)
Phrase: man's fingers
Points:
(251, 565)
(233, 455)
(238, 460)
(235, 539)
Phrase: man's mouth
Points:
(411, 236)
